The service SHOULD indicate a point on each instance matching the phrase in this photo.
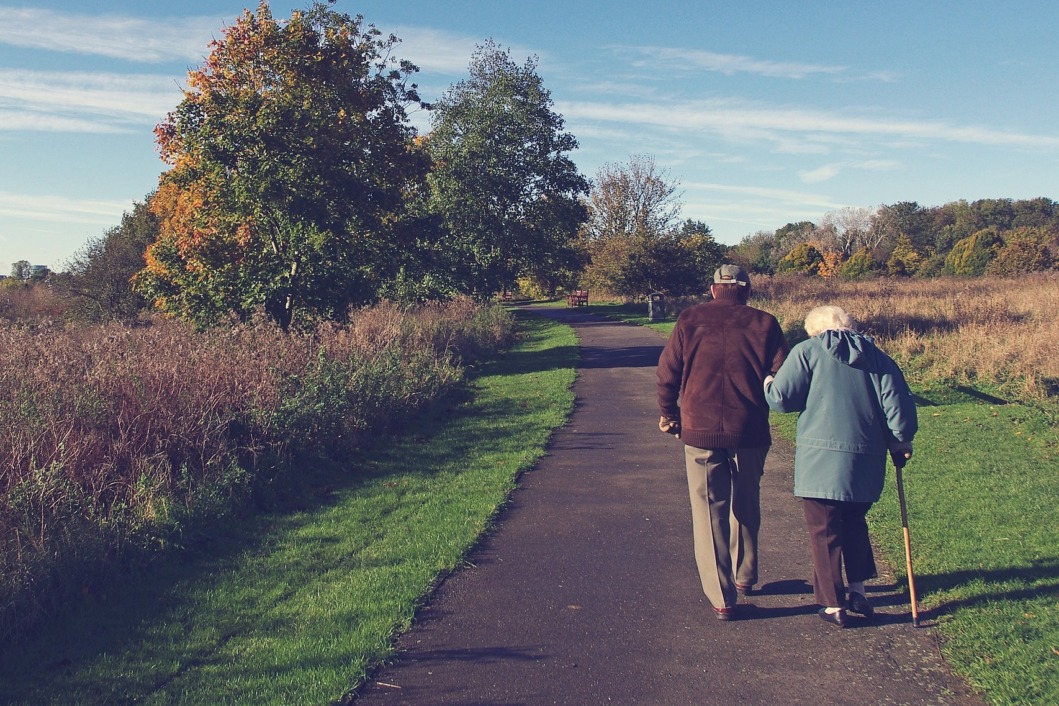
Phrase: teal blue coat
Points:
(854, 402)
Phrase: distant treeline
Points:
(988, 236)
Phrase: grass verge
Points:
(298, 606)
(982, 492)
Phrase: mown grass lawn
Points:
(297, 607)
(982, 492)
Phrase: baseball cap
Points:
(731, 274)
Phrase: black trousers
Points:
(838, 534)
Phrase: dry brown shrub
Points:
(26, 301)
(108, 432)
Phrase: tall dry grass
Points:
(992, 331)
(19, 300)
(111, 435)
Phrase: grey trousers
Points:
(725, 490)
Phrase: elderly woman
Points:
(855, 405)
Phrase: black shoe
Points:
(724, 613)
(856, 603)
(744, 590)
(838, 618)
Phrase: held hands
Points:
(669, 426)
(900, 452)
(768, 381)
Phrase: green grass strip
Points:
(299, 607)
(982, 491)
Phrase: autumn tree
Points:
(289, 157)
(1023, 250)
(502, 182)
(633, 199)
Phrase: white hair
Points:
(826, 318)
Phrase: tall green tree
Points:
(758, 252)
(803, 259)
(502, 181)
(290, 155)
(99, 276)
(21, 270)
(690, 259)
(904, 259)
(970, 256)
(1036, 213)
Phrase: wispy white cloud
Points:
(127, 95)
(62, 209)
(436, 51)
(879, 165)
(821, 173)
(31, 121)
(785, 196)
(731, 64)
(882, 76)
(448, 54)
(686, 61)
(113, 36)
(754, 122)
(826, 172)
(753, 208)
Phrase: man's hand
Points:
(900, 452)
(669, 426)
(768, 381)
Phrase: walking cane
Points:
(899, 463)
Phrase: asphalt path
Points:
(586, 590)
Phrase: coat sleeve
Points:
(670, 374)
(898, 404)
(789, 390)
(778, 347)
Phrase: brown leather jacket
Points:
(715, 363)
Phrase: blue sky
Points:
(765, 113)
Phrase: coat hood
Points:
(849, 347)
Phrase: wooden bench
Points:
(578, 297)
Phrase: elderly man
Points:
(714, 364)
